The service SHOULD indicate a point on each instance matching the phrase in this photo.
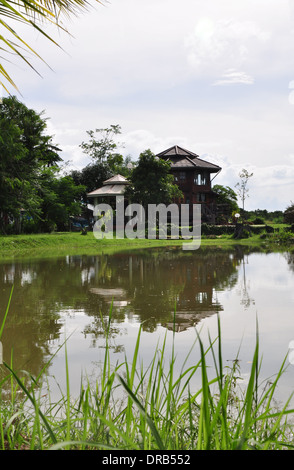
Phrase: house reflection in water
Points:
(151, 286)
(113, 296)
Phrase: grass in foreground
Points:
(156, 409)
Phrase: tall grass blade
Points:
(6, 312)
(33, 401)
(142, 410)
(205, 401)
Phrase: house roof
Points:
(181, 158)
(114, 186)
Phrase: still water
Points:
(70, 297)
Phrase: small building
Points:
(193, 175)
(109, 191)
(111, 188)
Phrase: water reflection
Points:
(290, 259)
(143, 287)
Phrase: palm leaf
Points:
(36, 14)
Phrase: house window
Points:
(201, 179)
(197, 179)
(201, 197)
(182, 175)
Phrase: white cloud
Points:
(234, 77)
(219, 45)
(151, 66)
(255, 39)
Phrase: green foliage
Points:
(61, 199)
(106, 159)
(258, 221)
(160, 411)
(33, 14)
(32, 196)
(31, 127)
(105, 147)
(226, 195)
(209, 229)
(281, 237)
(91, 177)
(151, 181)
(226, 200)
(289, 214)
(257, 215)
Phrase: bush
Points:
(29, 226)
(289, 214)
(258, 221)
(207, 229)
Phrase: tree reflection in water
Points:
(144, 287)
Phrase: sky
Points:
(215, 77)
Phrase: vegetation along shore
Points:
(63, 243)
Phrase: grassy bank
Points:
(158, 410)
(66, 243)
(58, 244)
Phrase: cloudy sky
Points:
(213, 76)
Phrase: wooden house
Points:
(193, 175)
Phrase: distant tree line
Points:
(228, 198)
(38, 195)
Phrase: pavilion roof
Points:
(114, 186)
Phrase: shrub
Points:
(289, 214)
(258, 221)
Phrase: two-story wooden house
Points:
(193, 176)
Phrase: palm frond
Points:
(36, 14)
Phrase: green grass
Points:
(66, 243)
(58, 244)
(137, 407)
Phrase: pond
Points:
(164, 290)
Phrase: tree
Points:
(105, 148)
(91, 177)
(151, 181)
(29, 174)
(25, 150)
(241, 186)
(32, 125)
(16, 192)
(34, 14)
(61, 198)
(106, 158)
(227, 196)
(289, 214)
